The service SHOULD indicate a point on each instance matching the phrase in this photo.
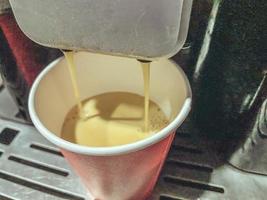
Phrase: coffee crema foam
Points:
(114, 118)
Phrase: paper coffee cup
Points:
(125, 172)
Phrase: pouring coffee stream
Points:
(146, 77)
(69, 55)
(73, 75)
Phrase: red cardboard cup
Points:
(125, 172)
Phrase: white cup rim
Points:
(106, 151)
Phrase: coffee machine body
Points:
(143, 29)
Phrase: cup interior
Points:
(52, 94)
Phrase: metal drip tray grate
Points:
(33, 168)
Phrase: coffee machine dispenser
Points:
(219, 151)
(144, 30)
(140, 29)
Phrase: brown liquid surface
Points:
(112, 118)
(115, 118)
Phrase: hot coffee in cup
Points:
(127, 167)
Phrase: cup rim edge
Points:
(107, 151)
